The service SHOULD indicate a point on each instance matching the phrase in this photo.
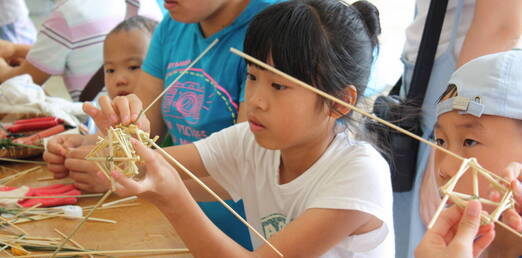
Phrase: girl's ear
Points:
(350, 97)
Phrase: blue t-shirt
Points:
(206, 99)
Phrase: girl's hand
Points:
(512, 217)
(160, 183)
(56, 151)
(7, 49)
(457, 234)
(122, 109)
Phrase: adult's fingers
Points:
(446, 221)
(469, 223)
(484, 240)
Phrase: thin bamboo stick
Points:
(179, 77)
(13, 225)
(52, 196)
(130, 198)
(8, 179)
(71, 240)
(371, 116)
(24, 161)
(105, 252)
(81, 222)
(197, 180)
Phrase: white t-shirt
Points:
(414, 30)
(349, 175)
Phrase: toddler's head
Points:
(124, 50)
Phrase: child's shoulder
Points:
(348, 152)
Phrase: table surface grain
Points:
(137, 227)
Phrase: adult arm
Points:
(496, 27)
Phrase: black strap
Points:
(93, 87)
(427, 51)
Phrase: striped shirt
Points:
(70, 42)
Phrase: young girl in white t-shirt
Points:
(308, 186)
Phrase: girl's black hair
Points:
(326, 43)
(136, 22)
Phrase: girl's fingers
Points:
(126, 186)
(151, 158)
(108, 110)
(122, 105)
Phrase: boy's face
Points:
(193, 11)
(123, 54)
(493, 140)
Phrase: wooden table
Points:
(138, 227)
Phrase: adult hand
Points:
(457, 234)
(56, 151)
(84, 172)
(122, 109)
(512, 217)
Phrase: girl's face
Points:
(283, 115)
(193, 11)
(494, 141)
(123, 54)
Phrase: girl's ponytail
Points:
(370, 15)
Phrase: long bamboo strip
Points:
(71, 240)
(382, 121)
(105, 252)
(52, 196)
(81, 222)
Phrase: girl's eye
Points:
(251, 77)
(469, 142)
(109, 70)
(439, 141)
(135, 67)
(278, 86)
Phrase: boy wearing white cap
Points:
(480, 115)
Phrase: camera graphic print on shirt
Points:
(272, 224)
(197, 105)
